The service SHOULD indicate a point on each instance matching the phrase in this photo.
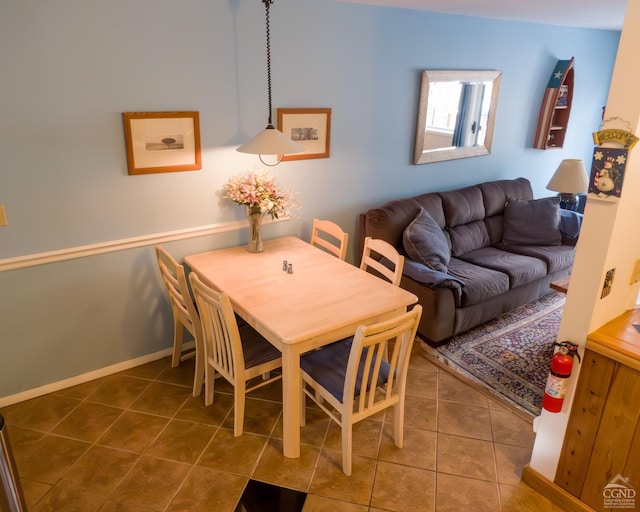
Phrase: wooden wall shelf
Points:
(556, 107)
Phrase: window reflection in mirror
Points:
(456, 114)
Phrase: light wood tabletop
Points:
(324, 299)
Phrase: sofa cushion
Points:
(556, 257)
(468, 237)
(521, 269)
(532, 222)
(480, 283)
(424, 242)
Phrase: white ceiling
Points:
(602, 14)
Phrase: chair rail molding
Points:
(70, 253)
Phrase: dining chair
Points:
(185, 315)
(329, 236)
(387, 254)
(358, 379)
(238, 353)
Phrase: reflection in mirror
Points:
(456, 114)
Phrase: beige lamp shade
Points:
(270, 141)
(570, 178)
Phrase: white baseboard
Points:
(86, 377)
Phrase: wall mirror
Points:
(456, 114)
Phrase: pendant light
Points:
(270, 141)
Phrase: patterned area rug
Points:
(509, 355)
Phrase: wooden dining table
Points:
(322, 299)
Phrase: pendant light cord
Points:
(266, 4)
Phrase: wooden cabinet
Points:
(602, 442)
(556, 107)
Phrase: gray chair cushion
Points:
(532, 222)
(328, 367)
(426, 243)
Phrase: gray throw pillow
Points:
(426, 243)
(532, 222)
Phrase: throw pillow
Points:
(532, 222)
(425, 242)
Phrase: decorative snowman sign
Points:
(610, 161)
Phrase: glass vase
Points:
(254, 215)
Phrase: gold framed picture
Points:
(162, 141)
(310, 127)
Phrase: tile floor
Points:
(137, 441)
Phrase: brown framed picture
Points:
(162, 141)
(310, 127)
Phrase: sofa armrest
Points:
(570, 224)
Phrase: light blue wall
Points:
(70, 68)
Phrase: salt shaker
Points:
(290, 268)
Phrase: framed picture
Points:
(162, 141)
(310, 127)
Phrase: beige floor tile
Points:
(42, 413)
(509, 428)
(88, 421)
(522, 498)
(22, 442)
(457, 494)
(151, 483)
(452, 389)
(100, 470)
(234, 454)
(275, 468)
(161, 399)
(464, 456)
(133, 431)
(365, 438)
(329, 480)
(419, 412)
(150, 370)
(419, 449)
(68, 499)
(194, 409)
(115, 506)
(182, 374)
(118, 390)
(208, 489)
(33, 491)
(464, 420)
(50, 458)
(81, 391)
(260, 416)
(403, 489)
(418, 361)
(315, 503)
(422, 383)
(510, 460)
(314, 430)
(182, 441)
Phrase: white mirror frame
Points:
(423, 156)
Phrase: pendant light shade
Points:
(270, 141)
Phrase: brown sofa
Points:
(475, 252)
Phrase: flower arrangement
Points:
(258, 189)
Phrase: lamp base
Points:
(569, 202)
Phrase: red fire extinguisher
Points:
(560, 371)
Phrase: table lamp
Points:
(569, 180)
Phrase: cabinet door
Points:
(586, 413)
(616, 435)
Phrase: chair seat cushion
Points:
(256, 349)
(328, 367)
